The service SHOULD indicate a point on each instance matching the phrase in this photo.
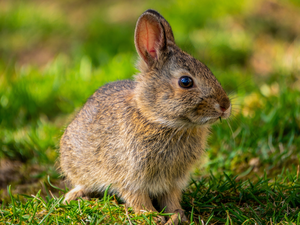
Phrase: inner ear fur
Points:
(151, 35)
(165, 24)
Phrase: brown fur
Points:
(144, 136)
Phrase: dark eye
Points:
(185, 82)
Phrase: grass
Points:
(37, 211)
(247, 202)
(222, 200)
(53, 56)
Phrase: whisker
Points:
(231, 132)
(235, 110)
(233, 97)
(242, 84)
(233, 118)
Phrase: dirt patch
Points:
(27, 179)
(9, 172)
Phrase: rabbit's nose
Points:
(224, 104)
(223, 108)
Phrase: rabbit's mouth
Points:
(208, 120)
(212, 120)
(193, 122)
(211, 117)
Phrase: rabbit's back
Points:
(91, 143)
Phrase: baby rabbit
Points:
(144, 136)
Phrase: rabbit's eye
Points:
(185, 82)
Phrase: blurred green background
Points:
(55, 54)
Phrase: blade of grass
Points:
(52, 209)
(34, 212)
(48, 178)
(12, 199)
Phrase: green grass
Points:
(51, 210)
(222, 200)
(53, 56)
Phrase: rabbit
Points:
(143, 137)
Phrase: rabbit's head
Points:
(173, 88)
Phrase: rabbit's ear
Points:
(165, 24)
(151, 35)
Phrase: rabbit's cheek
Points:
(203, 114)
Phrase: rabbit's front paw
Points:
(177, 218)
(159, 220)
(75, 193)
